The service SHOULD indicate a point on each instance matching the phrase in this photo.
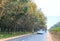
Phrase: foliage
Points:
(20, 15)
(56, 27)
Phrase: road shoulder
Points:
(4, 39)
(49, 37)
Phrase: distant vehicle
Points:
(40, 32)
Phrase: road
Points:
(32, 37)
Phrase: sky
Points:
(51, 9)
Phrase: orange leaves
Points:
(2, 2)
(31, 7)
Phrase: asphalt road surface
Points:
(32, 37)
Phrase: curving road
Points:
(32, 37)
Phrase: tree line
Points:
(56, 27)
(20, 15)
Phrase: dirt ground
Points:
(55, 35)
(49, 37)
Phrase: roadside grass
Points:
(55, 29)
(55, 33)
(6, 35)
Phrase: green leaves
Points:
(21, 14)
(55, 27)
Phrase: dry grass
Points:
(55, 35)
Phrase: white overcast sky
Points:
(51, 8)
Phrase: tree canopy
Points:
(20, 15)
